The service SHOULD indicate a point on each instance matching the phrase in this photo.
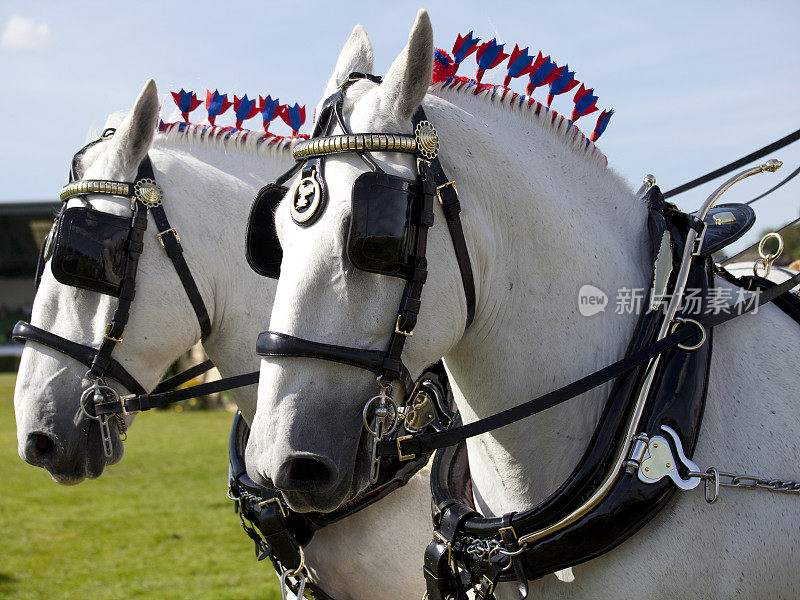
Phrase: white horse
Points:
(209, 184)
(543, 215)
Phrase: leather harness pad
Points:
(726, 223)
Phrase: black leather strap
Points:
(432, 441)
(171, 243)
(183, 377)
(447, 194)
(143, 401)
(273, 343)
(25, 332)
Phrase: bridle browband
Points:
(431, 182)
(146, 197)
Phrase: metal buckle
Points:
(276, 501)
(420, 161)
(509, 528)
(444, 185)
(113, 339)
(125, 411)
(166, 231)
(400, 331)
(447, 543)
(403, 457)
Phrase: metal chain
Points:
(713, 479)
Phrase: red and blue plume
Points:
(270, 109)
(565, 82)
(489, 55)
(187, 102)
(443, 66)
(585, 103)
(602, 123)
(518, 65)
(294, 116)
(216, 104)
(245, 109)
(543, 72)
(464, 46)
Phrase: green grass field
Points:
(157, 525)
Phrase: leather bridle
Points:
(431, 182)
(101, 365)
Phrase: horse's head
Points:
(308, 437)
(53, 430)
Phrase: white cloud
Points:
(25, 34)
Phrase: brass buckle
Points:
(400, 331)
(421, 161)
(113, 339)
(436, 534)
(276, 501)
(403, 457)
(509, 528)
(444, 185)
(489, 584)
(166, 231)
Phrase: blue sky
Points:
(694, 84)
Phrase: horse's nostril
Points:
(44, 444)
(39, 449)
(306, 474)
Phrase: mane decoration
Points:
(541, 72)
(244, 108)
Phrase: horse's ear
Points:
(356, 55)
(133, 137)
(408, 78)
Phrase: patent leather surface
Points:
(379, 239)
(90, 250)
(726, 223)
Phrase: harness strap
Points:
(433, 441)
(116, 328)
(171, 242)
(181, 378)
(143, 401)
(273, 343)
(447, 194)
(25, 332)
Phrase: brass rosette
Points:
(148, 192)
(427, 139)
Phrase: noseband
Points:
(388, 235)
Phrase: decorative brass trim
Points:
(94, 186)
(390, 142)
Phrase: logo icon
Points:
(591, 300)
